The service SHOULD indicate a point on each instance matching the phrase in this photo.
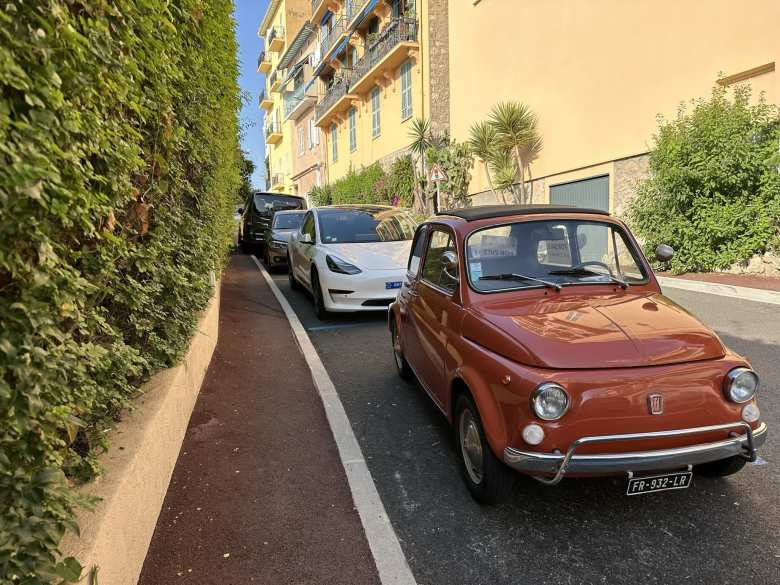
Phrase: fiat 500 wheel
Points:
(398, 355)
(721, 467)
(487, 478)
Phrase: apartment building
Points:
(299, 97)
(598, 73)
(281, 24)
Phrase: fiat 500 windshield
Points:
(532, 254)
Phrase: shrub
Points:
(321, 195)
(120, 169)
(714, 187)
(456, 160)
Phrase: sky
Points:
(248, 14)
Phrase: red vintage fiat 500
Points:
(542, 334)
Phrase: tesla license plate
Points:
(392, 285)
(659, 483)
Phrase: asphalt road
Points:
(581, 531)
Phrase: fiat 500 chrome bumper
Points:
(558, 464)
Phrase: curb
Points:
(724, 290)
(391, 564)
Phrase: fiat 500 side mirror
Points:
(664, 253)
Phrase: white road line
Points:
(390, 561)
(724, 290)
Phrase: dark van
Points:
(258, 214)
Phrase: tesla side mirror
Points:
(664, 253)
(450, 264)
(305, 238)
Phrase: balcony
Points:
(337, 99)
(330, 37)
(275, 39)
(276, 80)
(319, 8)
(265, 102)
(391, 48)
(296, 102)
(277, 182)
(263, 63)
(273, 132)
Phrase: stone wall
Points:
(628, 174)
(439, 64)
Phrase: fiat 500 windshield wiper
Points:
(515, 276)
(585, 272)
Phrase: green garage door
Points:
(591, 193)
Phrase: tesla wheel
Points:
(722, 467)
(319, 302)
(400, 361)
(488, 479)
(291, 276)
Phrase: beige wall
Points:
(306, 158)
(597, 72)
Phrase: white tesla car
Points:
(351, 257)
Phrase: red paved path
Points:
(746, 280)
(258, 494)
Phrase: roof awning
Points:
(325, 17)
(308, 85)
(363, 14)
(291, 52)
(294, 71)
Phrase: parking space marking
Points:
(340, 326)
(391, 564)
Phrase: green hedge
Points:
(120, 168)
(371, 185)
(714, 187)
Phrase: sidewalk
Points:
(258, 494)
(745, 280)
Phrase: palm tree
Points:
(516, 129)
(482, 143)
(420, 133)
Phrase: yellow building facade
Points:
(598, 73)
(280, 25)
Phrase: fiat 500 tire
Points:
(487, 478)
(404, 370)
(721, 467)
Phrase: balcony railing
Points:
(292, 99)
(399, 30)
(275, 38)
(334, 93)
(276, 78)
(329, 37)
(277, 179)
(272, 127)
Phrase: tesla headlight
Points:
(740, 385)
(336, 264)
(550, 401)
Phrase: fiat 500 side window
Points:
(435, 270)
(417, 252)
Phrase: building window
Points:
(352, 130)
(406, 91)
(334, 145)
(314, 135)
(301, 141)
(375, 120)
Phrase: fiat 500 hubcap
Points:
(471, 446)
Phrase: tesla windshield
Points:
(365, 224)
(552, 253)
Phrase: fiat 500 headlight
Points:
(740, 385)
(550, 401)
